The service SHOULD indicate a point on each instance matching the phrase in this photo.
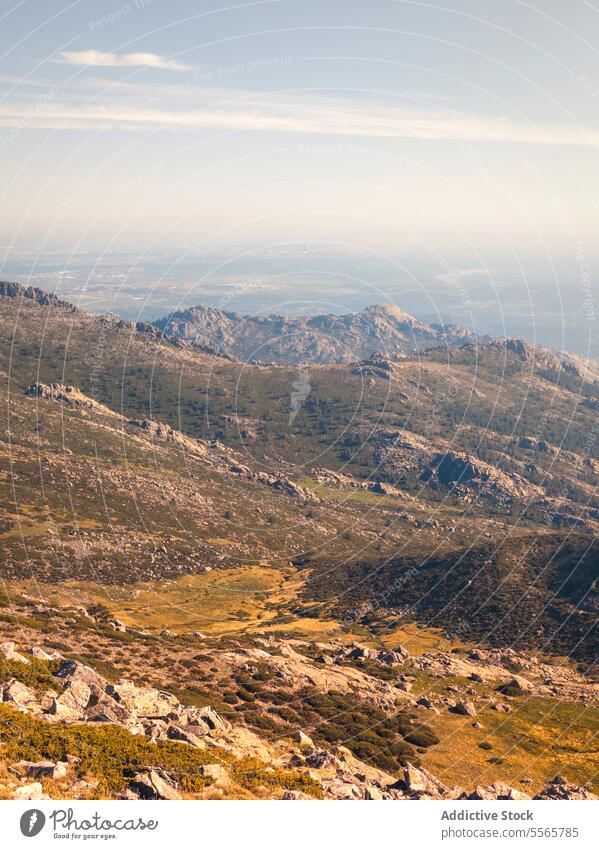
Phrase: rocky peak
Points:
(46, 299)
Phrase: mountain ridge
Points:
(321, 339)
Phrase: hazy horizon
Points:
(339, 154)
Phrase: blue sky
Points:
(376, 125)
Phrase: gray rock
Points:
(16, 693)
(42, 769)
(302, 739)
(188, 734)
(154, 783)
(464, 709)
(7, 650)
(32, 792)
(217, 774)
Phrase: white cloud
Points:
(272, 113)
(125, 60)
(460, 273)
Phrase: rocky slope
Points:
(82, 705)
(395, 558)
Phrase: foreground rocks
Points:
(82, 695)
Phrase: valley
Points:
(392, 554)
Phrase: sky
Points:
(466, 131)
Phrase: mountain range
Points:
(353, 573)
(324, 339)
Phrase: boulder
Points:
(290, 795)
(392, 657)
(7, 650)
(42, 769)
(142, 701)
(358, 652)
(62, 712)
(464, 709)
(16, 693)
(76, 696)
(373, 793)
(303, 739)
(108, 710)
(341, 788)
(154, 783)
(419, 783)
(72, 670)
(560, 788)
(517, 685)
(208, 719)
(187, 734)
(499, 790)
(42, 654)
(32, 792)
(217, 774)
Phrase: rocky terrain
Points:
(368, 579)
(219, 758)
(318, 339)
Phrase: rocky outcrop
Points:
(32, 293)
(466, 476)
(84, 696)
(402, 454)
(71, 396)
(153, 783)
(165, 433)
(354, 337)
(560, 788)
(281, 483)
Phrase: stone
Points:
(61, 711)
(144, 702)
(303, 739)
(464, 709)
(560, 788)
(76, 695)
(186, 735)
(32, 792)
(519, 683)
(154, 784)
(7, 649)
(322, 758)
(16, 693)
(419, 782)
(42, 769)
(72, 670)
(373, 793)
(42, 654)
(340, 788)
(499, 790)
(391, 657)
(363, 653)
(217, 773)
(295, 794)
(208, 718)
